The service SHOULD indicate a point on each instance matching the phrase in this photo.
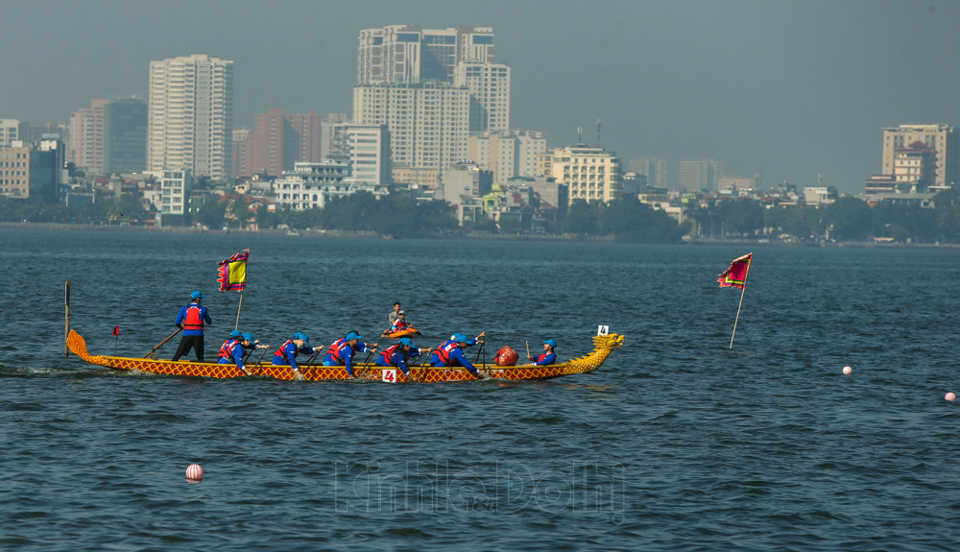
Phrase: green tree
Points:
(741, 216)
(633, 222)
(212, 214)
(850, 217)
(581, 218)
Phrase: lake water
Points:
(676, 443)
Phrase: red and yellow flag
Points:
(736, 275)
(233, 272)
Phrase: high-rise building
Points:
(327, 138)
(86, 133)
(654, 168)
(280, 140)
(366, 149)
(124, 136)
(191, 115)
(175, 188)
(507, 154)
(240, 162)
(939, 137)
(591, 174)
(489, 85)
(15, 168)
(306, 128)
(410, 54)
(33, 172)
(428, 123)
(700, 174)
(12, 129)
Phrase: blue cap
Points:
(236, 333)
(303, 336)
(197, 295)
(459, 337)
(406, 341)
(551, 342)
(249, 337)
(353, 335)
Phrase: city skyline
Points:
(792, 90)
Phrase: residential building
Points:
(410, 54)
(366, 149)
(591, 174)
(428, 123)
(124, 136)
(175, 188)
(462, 181)
(241, 164)
(700, 174)
(279, 140)
(489, 86)
(939, 137)
(425, 178)
(551, 192)
(86, 133)
(507, 154)
(326, 132)
(915, 165)
(306, 128)
(12, 129)
(191, 115)
(654, 168)
(817, 195)
(312, 185)
(737, 183)
(15, 168)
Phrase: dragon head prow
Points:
(609, 341)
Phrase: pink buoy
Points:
(194, 472)
(951, 397)
(847, 370)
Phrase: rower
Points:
(397, 355)
(399, 325)
(548, 357)
(450, 352)
(234, 350)
(287, 353)
(342, 350)
(191, 319)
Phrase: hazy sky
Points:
(795, 88)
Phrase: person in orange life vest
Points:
(397, 355)
(341, 351)
(287, 353)
(398, 325)
(450, 352)
(548, 357)
(234, 349)
(191, 319)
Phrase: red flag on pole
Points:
(116, 331)
(736, 275)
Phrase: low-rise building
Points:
(591, 174)
(819, 195)
(312, 185)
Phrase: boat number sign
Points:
(390, 376)
(603, 330)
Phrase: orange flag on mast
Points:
(736, 275)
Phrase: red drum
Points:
(506, 357)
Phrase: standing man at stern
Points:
(191, 320)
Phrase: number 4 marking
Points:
(390, 376)
(603, 330)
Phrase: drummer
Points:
(548, 356)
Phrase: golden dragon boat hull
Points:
(603, 346)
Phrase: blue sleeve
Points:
(206, 316)
(472, 342)
(180, 316)
(347, 356)
(401, 361)
(550, 359)
(238, 353)
(289, 350)
(458, 354)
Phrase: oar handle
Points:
(162, 343)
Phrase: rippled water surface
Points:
(676, 443)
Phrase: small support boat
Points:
(603, 346)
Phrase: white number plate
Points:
(390, 376)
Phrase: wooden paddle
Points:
(162, 343)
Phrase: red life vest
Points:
(443, 351)
(226, 351)
(541, 357)
(283, 354)
(387, 356)
(335, 347)
(399, 326)
(193, 320)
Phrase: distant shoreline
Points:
(473, 236)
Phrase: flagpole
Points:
(116, 339)
(738, 313)
(241, 305)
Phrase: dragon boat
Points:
(603, 346)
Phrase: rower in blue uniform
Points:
(341, 351)
(450, 352)
(397, 355)
(287, 353)
(548, 357)
(235, 349)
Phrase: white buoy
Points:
(847, 370)
(194, 472)
(951, 397)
